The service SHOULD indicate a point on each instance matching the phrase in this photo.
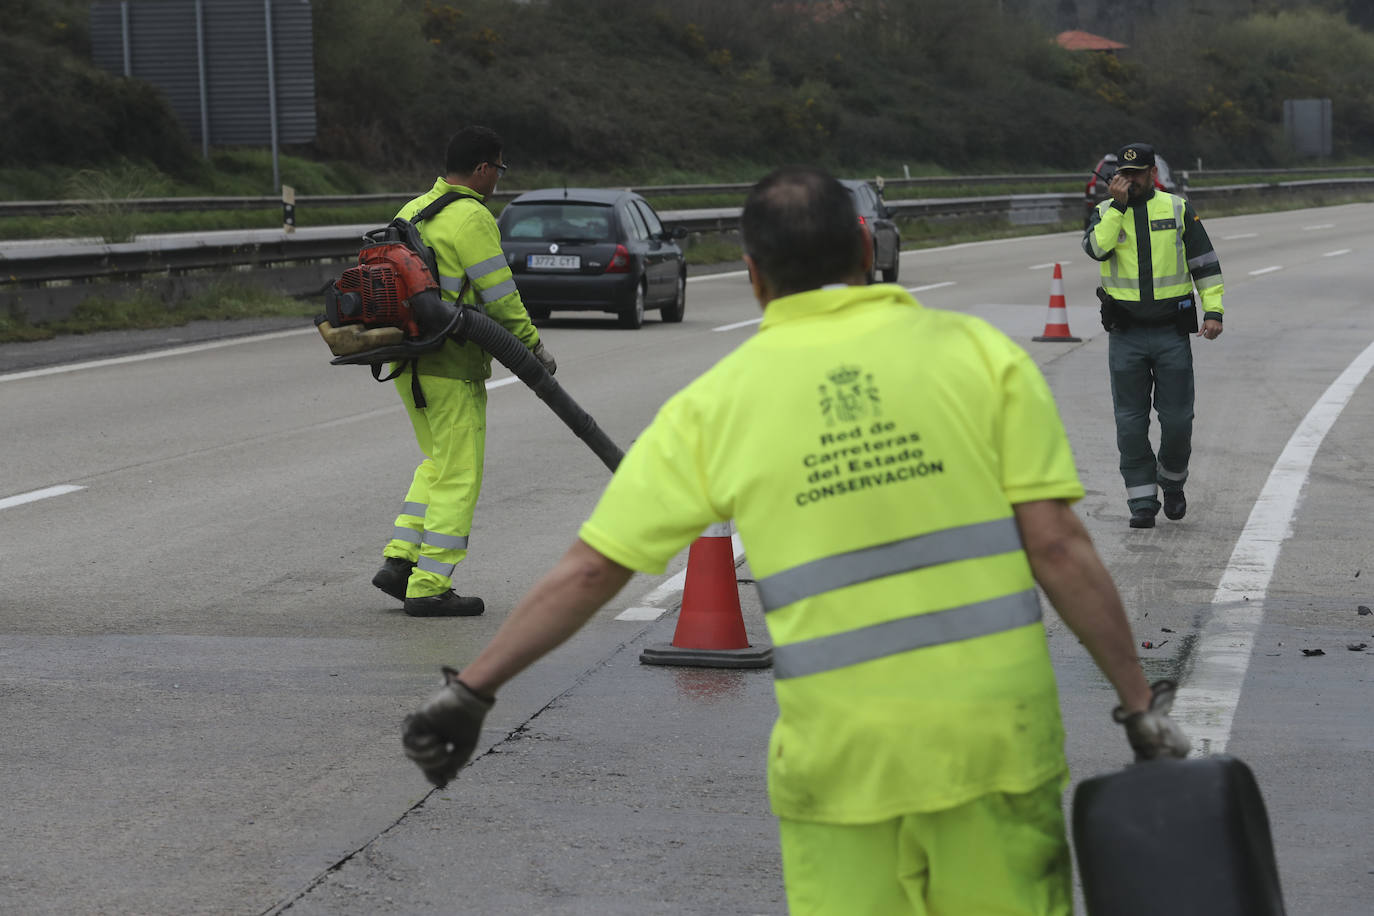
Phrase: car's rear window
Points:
(557, 222)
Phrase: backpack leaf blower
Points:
(389, 308)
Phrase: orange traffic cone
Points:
(1057, 324)
(710, 627)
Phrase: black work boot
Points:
(1143, 517)
(446, 604)
(392, 577)
(1175, 505)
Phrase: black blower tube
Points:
(442, 319)
(507, 349)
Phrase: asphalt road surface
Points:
(202, 693)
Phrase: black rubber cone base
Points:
(748, 657)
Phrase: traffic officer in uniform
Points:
(901, 480)
(1153, 251)
(445, 392)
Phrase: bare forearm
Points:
(554, 609)
(1068, 568)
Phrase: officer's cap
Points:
(1135, 156)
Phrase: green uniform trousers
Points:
(1146, 364)
(433, 527)
(998, 855)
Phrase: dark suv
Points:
(1096, 190)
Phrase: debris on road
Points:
(1311, 652)
(1152, 645)
(1357, 646)
(1363, 610)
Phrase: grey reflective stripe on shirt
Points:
(967, 542)
(921, 631)
(498, 291)
(482, 268)
(416, 509)
(450, 284)
(446, 541)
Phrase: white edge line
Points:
(1318, 226)
(921, 289)
(1243, 235)
(35, 495)
(1337, 253)
(1266, 270)
(152, 354)
(1206, 706)
(738, 324)
(650, 607)
(723, 275)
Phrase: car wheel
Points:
(674, 311)
(632, 316)
(537, 313)
(890, 273)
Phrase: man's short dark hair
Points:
(800, 227)
(469, 148)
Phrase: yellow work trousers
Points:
(433, 527)
(999, 855)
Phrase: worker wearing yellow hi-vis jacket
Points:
(445, 393)
(901, 480)
(1154, 251)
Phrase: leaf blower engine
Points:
(389, 302)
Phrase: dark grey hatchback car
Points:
(590, 249)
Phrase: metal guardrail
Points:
(185, 204)
(49, 275)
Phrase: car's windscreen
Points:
(557, 222)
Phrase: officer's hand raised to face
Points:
(1120, 188)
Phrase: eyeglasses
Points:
(501, 169)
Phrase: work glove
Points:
(542, 354)
(441, 734)
(1152, 733)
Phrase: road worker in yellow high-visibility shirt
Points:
(901, 481)
(445, 392)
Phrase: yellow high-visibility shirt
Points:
(869, 451)
(467, 245)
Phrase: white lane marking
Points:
(1318, 226)
(1049, 264)
(738, 324)
(1243, 235)
(1206, 706)
(502, 382)
(1337, 253)
(921, 289)
(153, 354)
(651, 607)
(1266, 270)
(720, 276)
(34, 496)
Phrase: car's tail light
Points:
(862, 221)
(620, 261)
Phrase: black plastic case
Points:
(1176, 838)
